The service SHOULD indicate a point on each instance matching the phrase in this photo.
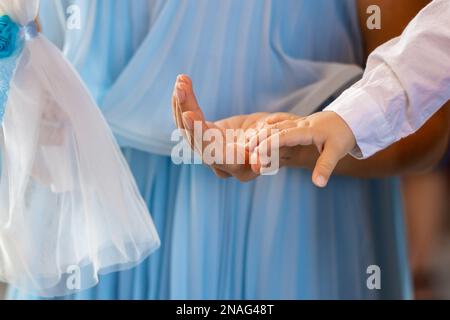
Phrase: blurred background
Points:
(427, 212)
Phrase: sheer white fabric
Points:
(69, 207)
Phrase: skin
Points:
(186, 111)
(417, 153)
(38, 25)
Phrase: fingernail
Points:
(321, 181)
(181, 93)
(187, 121)
(182, 78)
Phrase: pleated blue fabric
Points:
(274, 238)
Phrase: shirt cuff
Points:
(367, 121)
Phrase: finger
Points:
(278, 117)
(180, 98)
(191, 121)
(269, 129)
(189, 125)
(325, 166)
(187, 99)
(236, 157)
(236, 162)
(255, 163)
(239, 170)
(264, 133)
(287, 138)
(196, 128)
(186, 103)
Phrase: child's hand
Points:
(326, 130)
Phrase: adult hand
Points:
(187, 114)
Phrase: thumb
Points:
(186, 95)
(325, 166)
(191, 120)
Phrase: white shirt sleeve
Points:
(406, 81)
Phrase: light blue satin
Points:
(276, 237)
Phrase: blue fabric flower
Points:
(11, 46)
(9, 33)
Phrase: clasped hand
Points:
(324, 137)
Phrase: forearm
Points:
(406, 81)
(402, 158)
(417, 153)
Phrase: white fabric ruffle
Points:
(69, 207)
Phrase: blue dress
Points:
(274, 238)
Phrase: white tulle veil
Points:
(69, 207)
